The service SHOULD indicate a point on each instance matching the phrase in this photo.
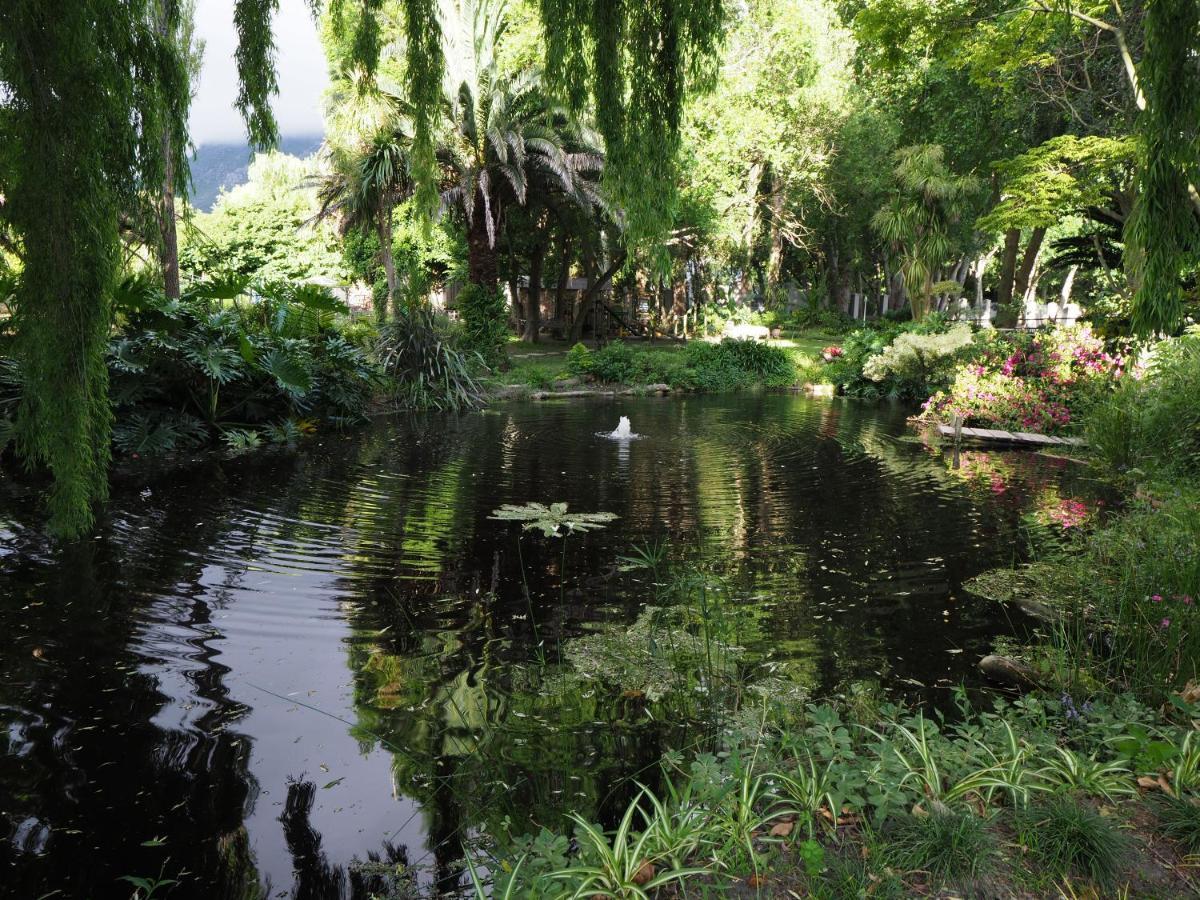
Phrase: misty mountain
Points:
(219, 167)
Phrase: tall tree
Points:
(1164, 228)
(504, 138)
(365, 185)
(175, 23)
(928, 200)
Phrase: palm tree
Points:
(505, 144)
(366, 184)
(917, 219)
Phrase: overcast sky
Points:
(302, 73)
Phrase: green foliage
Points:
(698, 366)
(184, 371)
(1150, 426)
(951, 846)
(261, 229)
(1064, 175)
(552, 520)
(423, 366)
(916, 221)
(1163, 229)
(1137, 579)
(624, 866)
(90, 91)
(1179, 819)
(1068, 836)
(638, 63)
(484, 314)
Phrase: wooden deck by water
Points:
(1025, 438)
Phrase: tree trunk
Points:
(388, 261)
(839, 292)
(775, 258)
(564, 275)
(533, 308)
(587, 297)
(166, 223)
(1032, 249)
(482, 268)
(1008, 267)
(168, 236)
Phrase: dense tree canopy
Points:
(682, 156)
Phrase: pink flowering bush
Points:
(1035, 382)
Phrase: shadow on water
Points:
(301, 674)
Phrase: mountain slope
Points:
(222, 166)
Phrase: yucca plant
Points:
(423, 367)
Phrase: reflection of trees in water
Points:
(384, 873)
(97, 774)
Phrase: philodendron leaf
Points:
(553, 520)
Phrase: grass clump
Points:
(948, 845)
(1179, 819)
(1069, 837)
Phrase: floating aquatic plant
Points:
(553, 520)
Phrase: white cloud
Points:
(303, 75)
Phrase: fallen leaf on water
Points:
(333, 783)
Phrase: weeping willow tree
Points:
(89, 88)
(637, 61)
(1163, 229)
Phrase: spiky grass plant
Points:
(954, 847)
(1179, 819)
(1069, 837)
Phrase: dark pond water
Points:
(265, 668)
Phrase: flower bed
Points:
(1035, 382)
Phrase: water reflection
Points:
(303, 673)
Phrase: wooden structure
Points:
(1018, 438)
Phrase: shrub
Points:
(1070, 837)
(579, 360)
(1040, 382)
(1152, 424)
(698, 366)
(915, 357)
(908, 371)
(826, 319)
(484, 316)
(182, 372)
(422, 366)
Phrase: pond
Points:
(266, 671)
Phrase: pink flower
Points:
(1165, 623)
(1157, 598)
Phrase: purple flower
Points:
(1165, 623)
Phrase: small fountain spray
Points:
(622, 432)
